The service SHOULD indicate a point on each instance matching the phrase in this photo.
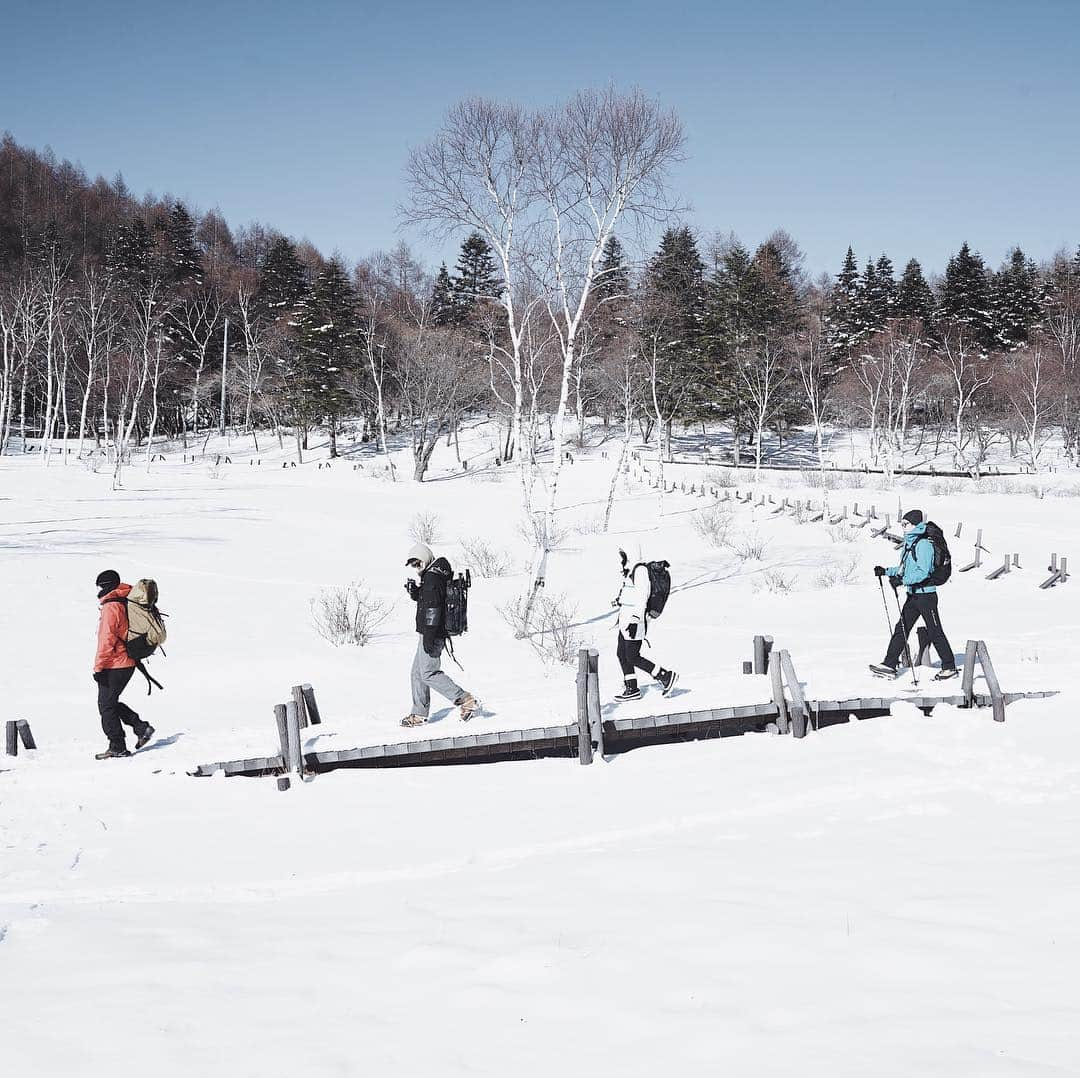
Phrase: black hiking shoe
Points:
(946, 673)
(144, 737)
(628, 694)
(112, 754)
(883, 670)
(667, 678)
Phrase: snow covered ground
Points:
(892, 897)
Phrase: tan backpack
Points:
(146, 625)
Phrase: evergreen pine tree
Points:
(327, 347)
(613, 277)
(886, 283)
(443, 309)
(965, 294)
(1017, 297)
(182, 261)
(476, 278)
(842, 315)
(282, 283)
(869, 307)
(128, 259)
(913, 297)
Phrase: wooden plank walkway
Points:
(619, 735)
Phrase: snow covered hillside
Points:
(887, 897)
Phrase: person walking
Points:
(632, 601)
(916, 572)
(113, 668)
(428, 591)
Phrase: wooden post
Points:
(292, 724)
(283, 736)
(301, 705)
(760, 659)
(997, 699)
(596, 724)
(777, 677)
(967, 681)
(23, 728)
(798, 703)
(584, 741)
(748, 667)
(312, 707)
(11, 739)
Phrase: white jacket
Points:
(633, 598)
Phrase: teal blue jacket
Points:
(916, 562)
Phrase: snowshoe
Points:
(144, 738)
(946, 673)
(414, 720)
(111, 754)
(883, 670)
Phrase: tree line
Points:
(124, 320)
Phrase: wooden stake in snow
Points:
(596, 725)
(762, 648)
(585, 753)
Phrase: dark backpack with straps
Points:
(659, 586)
(456, 619)
(942, 565)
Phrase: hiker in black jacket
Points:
(429, 594)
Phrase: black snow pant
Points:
(920, 604)
(111, 683)
(629, 653)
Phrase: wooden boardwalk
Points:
(619, 735)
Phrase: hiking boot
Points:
(112, 754)
(630, 692)
(667, 678)
(469, 706)
(883, 670)
(144, 737)
(946, 673)
(414, 720)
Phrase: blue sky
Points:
(904, 128)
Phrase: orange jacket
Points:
(112, 633)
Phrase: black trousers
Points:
(111, 683)
(920, 604)
(629, 653)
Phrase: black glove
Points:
(879, 570)
(432, 644)
(896, 582)
(630, 632)
(413, 589)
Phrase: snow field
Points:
(890, 897)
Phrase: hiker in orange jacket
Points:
(113, 668)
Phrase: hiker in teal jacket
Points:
(916, 565)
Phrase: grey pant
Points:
(427, 674)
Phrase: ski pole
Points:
(885, 605)
(907, 649)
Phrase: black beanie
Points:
(107, 581)
(913, 516)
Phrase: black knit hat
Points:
(913, 516)
(107, 581)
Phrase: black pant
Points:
(111, 683)
(629, 653)
(920, 604)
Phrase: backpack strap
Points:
(151, 681)
(450, 649)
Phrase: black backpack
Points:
(456, 620)
(942, 568)
(659, 586)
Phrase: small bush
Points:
(425, 528)
(550, 627)
(348, 614)
(833, 480)
(485, 559)
(837, 574)
(776, 582)
(531, 530)
(752, 547)
(842, 533)
(590, 526)
(721, 477)
(712, 524)
(947, 486)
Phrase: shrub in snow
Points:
(551, 626)
(837, 574)
(842, 533)
(485, 559)
(776, 582)
(712, 524)
(348, 614)
(721, 477)
(752, 547)
(424, 528)
(531, 530)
